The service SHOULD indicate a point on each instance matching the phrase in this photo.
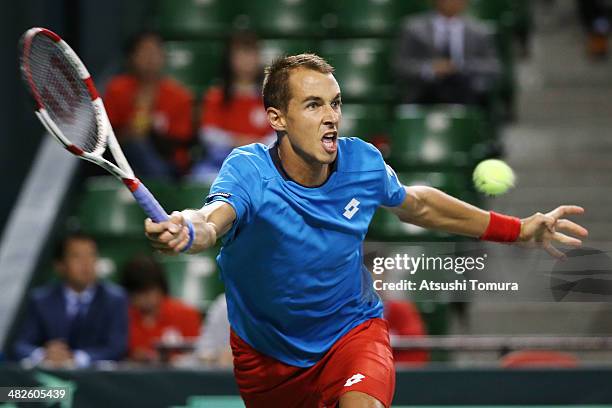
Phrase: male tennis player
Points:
(306, 322)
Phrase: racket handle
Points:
(146, 200)
(152, 207)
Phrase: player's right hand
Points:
(168, 237)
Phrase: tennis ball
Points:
(493, 177)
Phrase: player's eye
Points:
(336, 104)
(312, 105)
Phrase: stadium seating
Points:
(107, 208)
(492, 10)
(506, 87)
(187, 195)
(362, 68)
(114, 252)
(371, 18)
(195, 18)
(194, 279)
(273, 48)
(368, 122)
(516, 13)
(194, 63)
(437, 137)
(452, 182)
(503, 15)
(282, 18)
(436, 316)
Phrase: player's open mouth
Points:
(329, 141)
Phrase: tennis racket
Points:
(70, 108)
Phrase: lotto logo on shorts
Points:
(354, 379)
(351, 208)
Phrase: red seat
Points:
(539, 358)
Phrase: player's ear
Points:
(276, 119)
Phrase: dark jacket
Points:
(103, 334)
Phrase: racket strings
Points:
(62, 92)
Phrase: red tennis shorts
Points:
(360, 361)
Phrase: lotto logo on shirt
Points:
(351, 208)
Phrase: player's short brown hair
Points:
(275, 90)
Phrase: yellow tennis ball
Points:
(493, 177)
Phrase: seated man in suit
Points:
(77, 321)
(445, 57)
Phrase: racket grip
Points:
(152, 207)
(148, 203)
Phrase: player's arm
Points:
(431, 208)
(210, 223)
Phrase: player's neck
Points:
(300, 170)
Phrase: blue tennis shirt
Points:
(292, 262)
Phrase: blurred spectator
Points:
(233, 113)
(153, 316)
(595, 17)
(77, 321)
(213, 346)
(405, 320)
(151, 113)
(445, 57)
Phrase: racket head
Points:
(67, 101)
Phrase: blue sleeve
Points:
(30, 334)
(393, 193)
(238, 184)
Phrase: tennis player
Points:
(306, 322)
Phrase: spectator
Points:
(595, 17)
(151, 113)
(405, 320)
(153, 315)
(77, 321)
(233, 113)
(445, 57)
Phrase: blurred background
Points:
(436, 85)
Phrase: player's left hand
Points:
(542, 230)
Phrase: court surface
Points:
(236, 402)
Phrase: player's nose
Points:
(331, 117)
